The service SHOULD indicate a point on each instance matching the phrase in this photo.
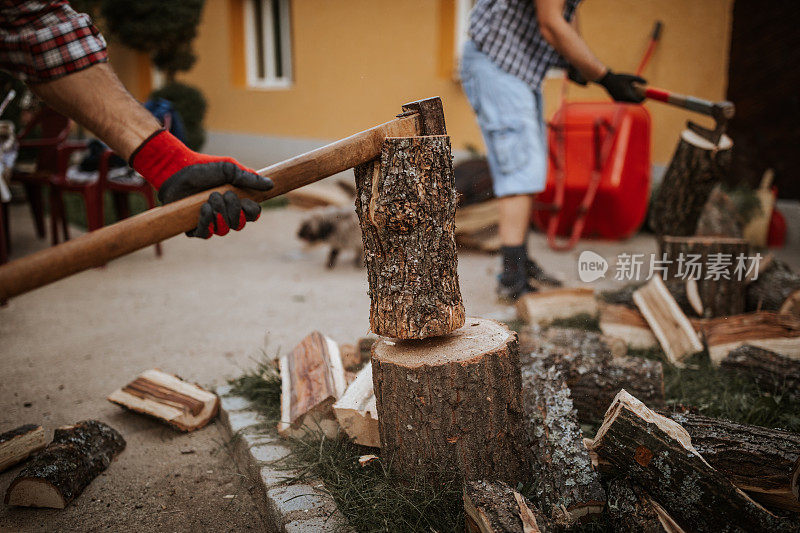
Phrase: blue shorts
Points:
(510, 116)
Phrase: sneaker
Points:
(536, 273)
(511, 293)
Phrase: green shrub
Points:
(191, 105)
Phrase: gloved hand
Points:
(575, 76)
(177, 172)
(620, 86)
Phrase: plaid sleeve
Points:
(44, 40)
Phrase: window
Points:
(268, 43)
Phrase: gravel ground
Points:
(205, 311)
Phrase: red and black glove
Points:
(620, 86)
(177, 172)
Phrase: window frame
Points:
(270, 81)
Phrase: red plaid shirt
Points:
(44, 40)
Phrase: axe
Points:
(96, 248)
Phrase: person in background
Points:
(62, 57)
(512, 44)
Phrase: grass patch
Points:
(262, 386)
(579, 321)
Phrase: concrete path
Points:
(206, 311)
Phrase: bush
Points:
(191, 105)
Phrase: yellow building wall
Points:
(356, 61)
(133, 69)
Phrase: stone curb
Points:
(285, 507)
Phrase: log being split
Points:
(633, 511)
(627, 324)
(451, 406)
(777, 288)
(494, 507)
(565, 479)
(770, 370)
(758, 460)
(670, 326)
(312, 379)
(18, 444)
(60, 472)
(406, 203)
(696, 167)
(719, 297)
(771, 331)
(183, 405)
(657, 454)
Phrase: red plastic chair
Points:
(119, 192)
(92, 193)
(53, 128)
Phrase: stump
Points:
(406, 203)
(696, 167)
(451, 406)
(719, 297)
(60, 472)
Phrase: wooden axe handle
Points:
(98, 247)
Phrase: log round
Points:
(777, 288)
(406, 203)
(696, 167)
(450, 407)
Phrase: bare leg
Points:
(515, 218)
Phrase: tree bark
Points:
(494, 507)
(450, 407)
(770, 370)
(61, 471)
(632, 510)
(406, 203)
(696, 167)
(563, 473)
(771, 289)
(758, 460)
(719, 217)
(720, 297)
(657, 454)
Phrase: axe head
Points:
(431, 112)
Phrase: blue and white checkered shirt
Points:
(507, 31)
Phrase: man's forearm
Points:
(565, 38)
(95, 98)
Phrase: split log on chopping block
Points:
(777, 288)
(406, 203)
(771, 331)
(627, 324)
(356, 411)
(451, 406)
(18, 444)
(720, 296)
(696, 167)
(657, 454)
(494, 507)
(96, 248)
(545, 306)
(165, 397)
(60, 472)
(565, 479)
(759, 460)
(312, 379)
(670, 326)
(633, 510)
(770, 370)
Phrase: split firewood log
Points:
(543, 307)
(183, 405)
(494, 507)
(627, 324)
(312, 379)
(758, 460)
(670, 326)
(632, 510)
(19, 443)
(684, 295)
(356, 411)
(777, 288)
(565, 479)
(406, 203)
(60, 472)
(770, 370)
(657, 454)
(776, 332)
